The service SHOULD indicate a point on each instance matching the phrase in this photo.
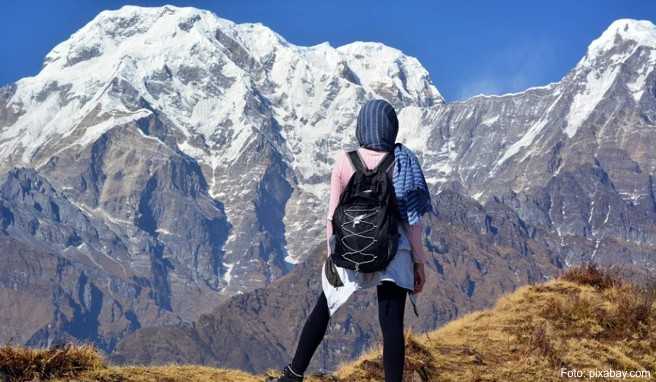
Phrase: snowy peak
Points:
(165, 34)
(643, 32)
(633, 33)
(624, 54)
(200, 70)
(389, 63)
(111, 30)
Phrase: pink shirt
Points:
(341, 174)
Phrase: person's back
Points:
(376, 131)
(341, 174)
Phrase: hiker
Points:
(382, 248)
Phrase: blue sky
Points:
(469, 47)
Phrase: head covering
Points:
(377, 126)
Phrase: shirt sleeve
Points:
(414, 236)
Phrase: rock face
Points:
(167, 166)
(72, 282)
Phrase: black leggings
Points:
(391, 306)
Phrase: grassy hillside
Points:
(584, 320)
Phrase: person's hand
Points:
(420, 277)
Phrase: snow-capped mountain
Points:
(204, 87)
(201, 72)
(201, 145)
(518, 128)
(574, 156)
(172, 159)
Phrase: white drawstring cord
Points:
(350, 213)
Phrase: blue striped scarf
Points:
(376, 129)
(412, 195)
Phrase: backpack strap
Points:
(386, 162)
(356, 161)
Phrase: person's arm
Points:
(336, 188)
(418, 255)
(414, 236)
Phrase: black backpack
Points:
(365, 222)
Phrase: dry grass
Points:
(592, 275)
(84, 363)
(583, 320)
(168, 373)
(419, 364)
(23, 364)
(586, 319)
